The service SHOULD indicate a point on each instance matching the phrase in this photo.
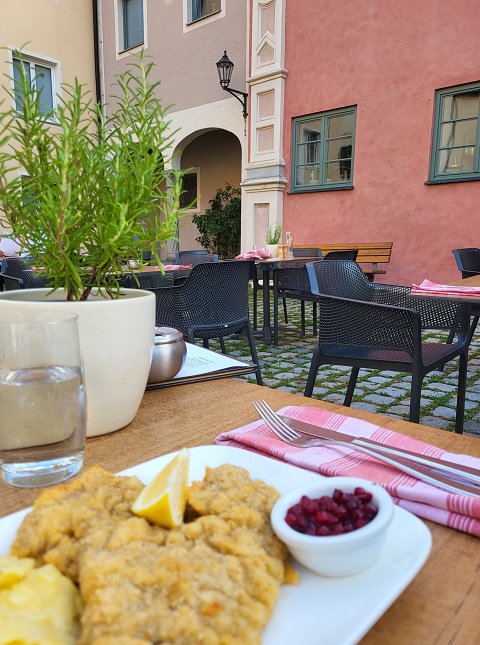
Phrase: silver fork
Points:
(294, 438)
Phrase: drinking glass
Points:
(42, 398)
(289, 241)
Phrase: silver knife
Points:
(463, 473)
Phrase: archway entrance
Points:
(212, 159)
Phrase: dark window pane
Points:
(204, 8)
(460, 106)
(132, 23)
(189, 185)
(17, 75)
(43, 83)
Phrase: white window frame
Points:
(188, 25)
(36, 59)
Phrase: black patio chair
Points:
(211, 303)
(257, 281)
(290, 281)
(375, 326)
(468, 262)
(24, 277)
(294, 284)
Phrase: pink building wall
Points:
(387, 58)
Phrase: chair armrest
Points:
(11, 282)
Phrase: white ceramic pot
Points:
(272, 249)
(116, 340)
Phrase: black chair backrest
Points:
(213, 293)
(341, 278)
(179, 254)
(307, 252)
(194, 258)
(468, 261)
(147, 280)
(342, 255)
(291, 275)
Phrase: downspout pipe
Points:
(96, 51)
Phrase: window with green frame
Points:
(323, 150)
(455, 146)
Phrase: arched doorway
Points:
(211, 159)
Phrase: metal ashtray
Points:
(168, 354)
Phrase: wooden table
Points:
(441, 605)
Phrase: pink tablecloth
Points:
(444, 289)
(461, 512)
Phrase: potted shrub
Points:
(272, 238)
(220, 225)
(84, 192)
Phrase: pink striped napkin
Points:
(444, 289)
(257, 254)
(461, 512)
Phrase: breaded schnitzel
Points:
(212, 581)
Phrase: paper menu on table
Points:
(203, 361)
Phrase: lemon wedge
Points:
(164, 499)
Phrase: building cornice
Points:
(267, 76)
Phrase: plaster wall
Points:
(59, 31)
(185, 57)
(387, 58)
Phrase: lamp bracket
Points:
(237, 94)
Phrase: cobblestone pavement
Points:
(286, 367)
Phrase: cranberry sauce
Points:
(340, 513)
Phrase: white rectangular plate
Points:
(333, 611)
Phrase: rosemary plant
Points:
(84, 191)
(274, 233)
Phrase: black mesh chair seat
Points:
(364, 325)
(468, 262)
(431, 352)
(211, 303)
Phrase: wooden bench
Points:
(368, 252)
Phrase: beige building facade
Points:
(56, 38)
(185, 39)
